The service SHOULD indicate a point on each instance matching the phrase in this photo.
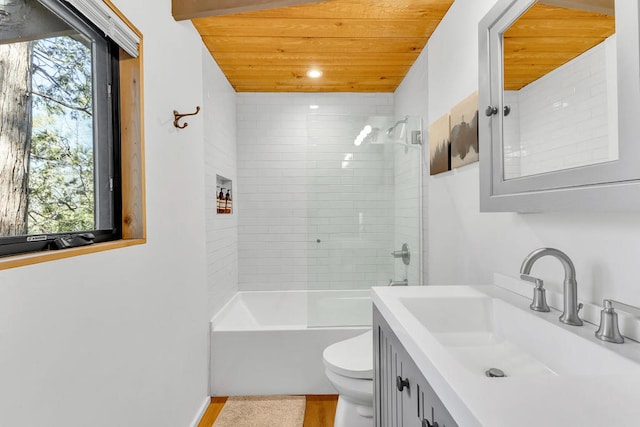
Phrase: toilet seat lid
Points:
(352, 357)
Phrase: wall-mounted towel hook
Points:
(177, 116)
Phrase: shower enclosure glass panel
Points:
(363, 202)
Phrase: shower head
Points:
(391, 132)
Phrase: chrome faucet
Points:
(571, 306)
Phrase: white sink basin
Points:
(482, 331)
(556, 374)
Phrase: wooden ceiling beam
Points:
(191, 9)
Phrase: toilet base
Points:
(349, 414)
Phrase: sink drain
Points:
(495, 373)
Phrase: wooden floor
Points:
(319, 411)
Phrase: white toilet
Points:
(349, 367)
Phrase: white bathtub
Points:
(272, 342)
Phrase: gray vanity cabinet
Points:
(402, 395)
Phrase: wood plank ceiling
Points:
(359, 45)
(546, 37)
(369, 45)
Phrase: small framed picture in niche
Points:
(224, 195)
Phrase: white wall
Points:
(219, 118)
(467, 246)
(119, 338)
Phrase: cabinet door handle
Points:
(491, 111)
(401, 383)
(426, 423)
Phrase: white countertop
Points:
(597, 399)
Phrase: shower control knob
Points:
(401, 383)
(403, 253)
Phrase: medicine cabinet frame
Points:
(609, 186)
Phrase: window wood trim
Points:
(134, 230)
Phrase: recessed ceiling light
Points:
(314, 74)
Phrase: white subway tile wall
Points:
(219, 118)
(582, 93)
(314, 210)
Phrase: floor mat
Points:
(262, 411)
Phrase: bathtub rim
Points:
(283, 327)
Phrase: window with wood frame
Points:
(64, 182)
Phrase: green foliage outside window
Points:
(58, 137)
(61, 159)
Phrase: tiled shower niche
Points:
(224, 198)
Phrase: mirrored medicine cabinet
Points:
(559, 99)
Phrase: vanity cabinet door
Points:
(402, 395)
(413, 411)
(388, 400)
(430, 408)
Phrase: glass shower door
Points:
(357, 214)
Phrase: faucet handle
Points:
(608, 329)
(403, 253)
(535, 280)
(539, 302)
